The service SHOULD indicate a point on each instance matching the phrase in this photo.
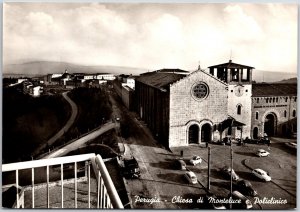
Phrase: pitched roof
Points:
(159, 79)
(274, 89)
(230, 64)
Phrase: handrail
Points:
(110, 187)
(46, 162)
(107, 193)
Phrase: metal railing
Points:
(107, 196)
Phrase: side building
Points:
(274, 109)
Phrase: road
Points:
(64, 128)
(159, 180)
(78, 143)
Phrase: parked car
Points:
(180, 164)
(246, 188)
(131, 168)
(211, 204)
(261, 174)
(227, 172)
(245, 202)
(191, 177)
(262, 153)
(264, 139)
(251, 141)
(195, 160)
(291, 145)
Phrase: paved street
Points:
(281, 164)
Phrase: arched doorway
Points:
(270, 124)
(206, 133)
(255, 133)
(194, 134)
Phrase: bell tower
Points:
(239, 80)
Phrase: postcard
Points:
(149, 105)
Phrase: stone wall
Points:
(186, 110)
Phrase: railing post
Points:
(75, 172)
(32, 179)
(89, 182)
(17, 187)
(48, 195)
(62, 184)
(98, 189)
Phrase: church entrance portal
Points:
(270, 124)
(206, 133)
(194, 134)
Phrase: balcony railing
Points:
(107, 196)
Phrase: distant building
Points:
(105, 76)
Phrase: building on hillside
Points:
(105, 76)
(183, 108)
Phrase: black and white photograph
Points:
(149, 105)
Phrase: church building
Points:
(183, 108)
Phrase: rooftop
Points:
(274, 89)
(162, 78)
(230, 64)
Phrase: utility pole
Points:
(208, 170)
(231, 158)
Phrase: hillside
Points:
(291, 80)
(46, 67)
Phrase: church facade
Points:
(183, 108)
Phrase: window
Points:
(256, 115)
(295, 99)
(239, 109)
(267, 100)
(284, 113)
(286, 98)
(273, 99)
(257, 100)
(294, 113)
(200, 90)
(277, 99)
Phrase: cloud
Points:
(152, 35)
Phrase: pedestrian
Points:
(269, 144)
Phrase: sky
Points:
(152, 36)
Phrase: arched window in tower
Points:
(294, 113)
(284, 113)
(239, 109)
(256, 115)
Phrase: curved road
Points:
(78, 143)
(67, 125)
